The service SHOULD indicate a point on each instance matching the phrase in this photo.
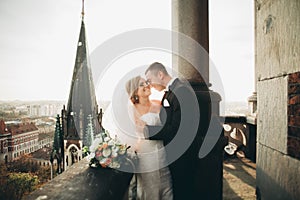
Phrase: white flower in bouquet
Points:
(95, 144)
(115, 148)
(114, 154)
(106, 152)
(90, 156)
(115, 165)
(111, 143)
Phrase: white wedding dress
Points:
(154, 182)
(152, 173)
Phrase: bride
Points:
(154, 179)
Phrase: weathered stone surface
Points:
(82, 182)
(272, 118)
(278, 174)
(277, 49)
(191, 19)
(277, 42)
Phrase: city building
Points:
(4, 138)
(43, 109)
(17, 140)
(20, 139)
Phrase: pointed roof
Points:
(82, 99)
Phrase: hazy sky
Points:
(39, 39)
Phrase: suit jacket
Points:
(179, 108)
(180, 118)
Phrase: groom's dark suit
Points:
(176, 103)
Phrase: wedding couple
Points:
(157, 123)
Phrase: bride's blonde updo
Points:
(132, 86)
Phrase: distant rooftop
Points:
(45, 135)
(21, 128)
(43, 153)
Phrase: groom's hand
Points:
(146, 132)
(152, 132)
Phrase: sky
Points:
(39, 39)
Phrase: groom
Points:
(179, 98)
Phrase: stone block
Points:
(272, 118)
(272, 181)
(277, 42)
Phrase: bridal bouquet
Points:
(107, 152)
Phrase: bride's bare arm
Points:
(155, 107)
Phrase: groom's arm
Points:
(171, 116)
(165, 133)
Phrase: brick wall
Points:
(293, 142)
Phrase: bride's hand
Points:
(137, 145)
(140, 126)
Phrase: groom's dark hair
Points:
(156, 67)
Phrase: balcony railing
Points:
(241, 136)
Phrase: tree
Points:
(21, 176)
(20, 183)
(3, 180)
(44, 174)
(23, 164)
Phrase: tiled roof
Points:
(46, 135)
(43, 153)
(22, 128)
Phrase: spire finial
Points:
(82, 12)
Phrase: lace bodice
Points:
(151, 119)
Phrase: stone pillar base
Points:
(209, 181)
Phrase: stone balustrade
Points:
(82, 182)
(241, 136)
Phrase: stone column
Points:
(252, 119)
(252, 100)
(190, 17)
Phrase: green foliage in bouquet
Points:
(106, 152)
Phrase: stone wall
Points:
(277, 58)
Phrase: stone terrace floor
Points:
(239, 178)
